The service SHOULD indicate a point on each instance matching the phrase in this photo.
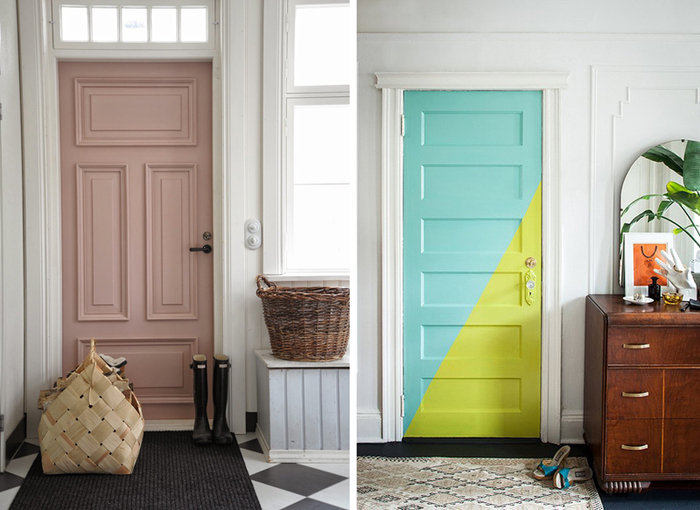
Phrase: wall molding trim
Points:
(473, 81)
(392, 86)
(618, 94)
(300, 456)
(466, 37)
(572, 427)
(43, 191)
(369, 426)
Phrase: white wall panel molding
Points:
(632, 109)
(393, 85)
(462, 37)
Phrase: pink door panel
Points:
(129, 112)
(103, 243)
(136, 196)
(171, 223)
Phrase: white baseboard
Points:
(159, 425)
(369, 426)
(572, 427)
(299, 456)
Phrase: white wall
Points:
(11, 230)
(635, 82)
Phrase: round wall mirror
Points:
(659, 196)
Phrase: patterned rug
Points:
(418, 483)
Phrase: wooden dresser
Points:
(642, 393)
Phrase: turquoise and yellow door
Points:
(472, 278)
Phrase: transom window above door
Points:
(124, 24)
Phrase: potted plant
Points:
(686, 196)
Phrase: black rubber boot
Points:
(202, 432)
(221, 432)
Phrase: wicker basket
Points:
(94, 425)
(306, 323)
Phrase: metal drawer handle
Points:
(634, 448)
(636, 346)
(635, 395)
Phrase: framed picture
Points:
(641, 250)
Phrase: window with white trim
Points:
(307, 186)
(125, 24)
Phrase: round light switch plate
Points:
(253, 237)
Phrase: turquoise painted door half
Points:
(472, 217)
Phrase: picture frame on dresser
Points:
(640, 249)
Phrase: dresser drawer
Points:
(635, 393)
(682, 393)
(681, 446)
(633, 446)
(653, 346)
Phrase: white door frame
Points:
(43, 192)
(393, 86)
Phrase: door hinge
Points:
(2, 423)
(403, 125)
(0, 111)
(403, 404)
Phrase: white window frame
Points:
(288, 183)
(290, 87)
(209, 44)
(278, 93)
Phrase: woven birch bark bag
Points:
(92, 422)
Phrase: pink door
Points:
(136, 155)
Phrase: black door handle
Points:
(206, 248)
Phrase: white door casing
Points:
(43, 194)
(392, 86)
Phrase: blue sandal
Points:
(548, 467)
(564, 477)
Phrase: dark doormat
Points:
(171, 472)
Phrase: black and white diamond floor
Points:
(308, 486)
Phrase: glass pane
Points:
(74, 23)
(134, 21)
(193, 24)
(321, 148)
(164, 24)
(320, 233)
(104, 24)
(322, 45)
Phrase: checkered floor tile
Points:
(278, 486)
(295, 486)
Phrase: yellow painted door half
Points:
(472, 306)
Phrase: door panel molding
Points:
(392, 86)
(107, 111)
(171, 280)
(96, 189)
(171, 383)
